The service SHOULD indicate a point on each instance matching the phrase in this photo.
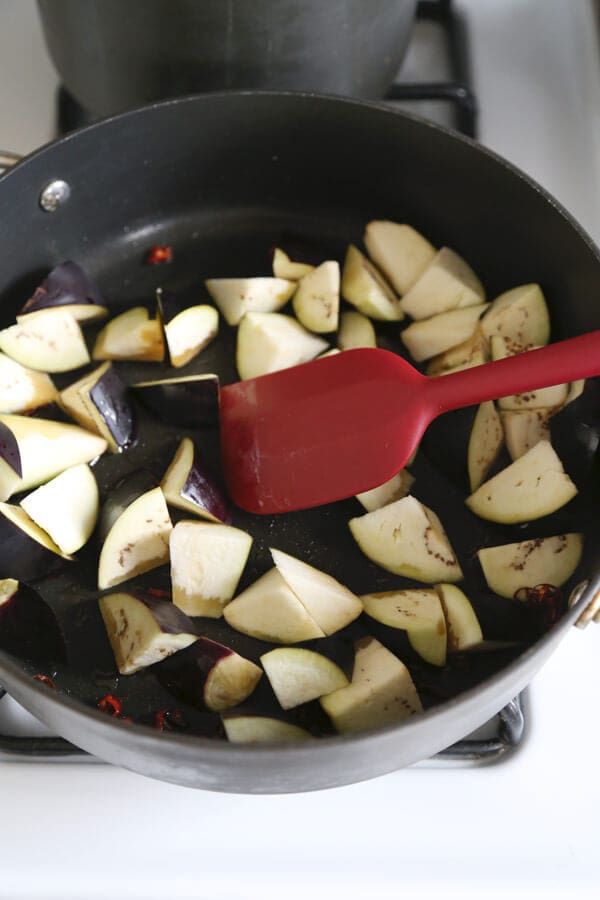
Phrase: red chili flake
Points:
(157, 592)
(160, 254)
(110, 705)
(45, 680)
(170, 720)
(545, 601)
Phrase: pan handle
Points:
(588, 592)
(8, 159)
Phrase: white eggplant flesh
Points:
(447, 283)
(485, 443)
(401, 252)
(47, 341)
(132, 335)
(207, 562)
(189, 332)
(365, 288)
(298, 675)
(66, 507)
(235, 297)
(316, 302)
(550, 560)
(419, 613)
(287, 268)
(462, 625)
(355, 331)
(521, 315)
(381, 692)
(261, 729)
(137, 542)
(430, 337)
(269, 342)
(395, 488)
(533, 486)
(23, 389)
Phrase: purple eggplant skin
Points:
(9, 449)
(21, 556)
(121, 495)
(30, 630)
(65, 285)
(184, 673)
(109, 396)
(202, 488)
(169, 618)
(189, 404)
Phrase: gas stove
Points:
(534, 97)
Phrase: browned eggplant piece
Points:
(189, 485)
(28, 626)
(189, 401)
(209, 674)
(26, 551)
(68, 285)
(143, 630)
(9, 450)
(121, 495)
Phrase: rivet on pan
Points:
(591, 610)
(54, 195)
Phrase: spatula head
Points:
(319, 432)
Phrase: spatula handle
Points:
(565, 361)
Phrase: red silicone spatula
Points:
(337, 426)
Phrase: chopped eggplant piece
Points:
(25, 549)
(189, 485)
(268, 342)
(417, 612)
(521, 315)
(550, 560)
(22, 389)
(48, 341)
(365, 288)
(143, 630)
(408, 539)
(485, 443)
(210, 675)
(286, 267)
(533, 486)
(66, 508)
(523, 429)
(355, 331)
(207, 561)
(47, 448)
(137, 542)
(556, 395)
(107, 400)
(132, 335)
(245, 729)
(447, 283)
(68, 285)
(298, 675)
(330, 604)
(399, 251)
(431, 337)
(187, 331)
(397, 487)
(121, 495)
(317, 299)
(236, 297)
(191, 400)
(29, 628)
(381, 691)
(270, 611)
(462, 625)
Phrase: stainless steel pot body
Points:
(113, 56)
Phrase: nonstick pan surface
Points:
(223, 179)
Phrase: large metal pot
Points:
(113, 56)
(221, 178)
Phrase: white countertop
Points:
(77, 832)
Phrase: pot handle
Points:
(586, 597)
(8, 159)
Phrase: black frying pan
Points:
(223, 178)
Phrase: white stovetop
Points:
(76, 832)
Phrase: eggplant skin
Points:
(65, 285)
(121, 495)
(21, 556)
(9, 450)
(30, 630)
(185, 402)
(109, 396)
